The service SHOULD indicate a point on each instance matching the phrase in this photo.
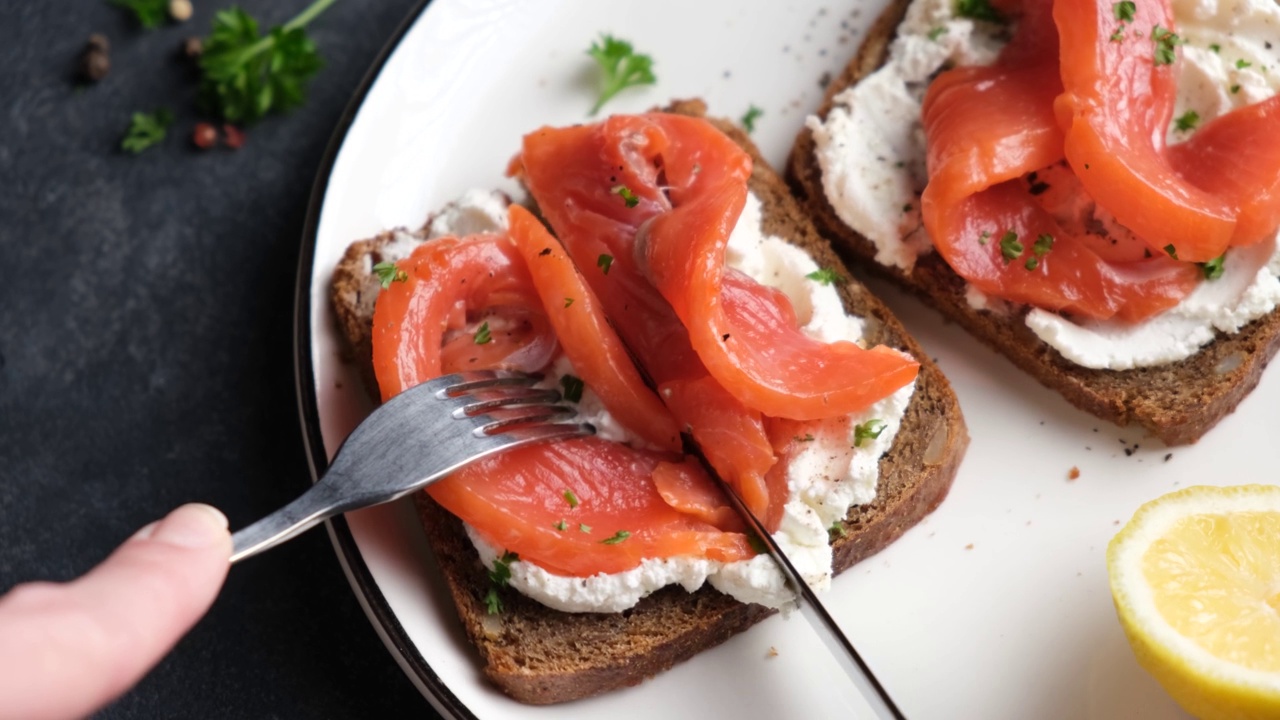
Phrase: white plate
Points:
(995, 607)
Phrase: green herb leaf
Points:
(836, 530)
(1242, 64)
(583, 527)
(150, 14)
(620, 68)
(573, 387)
(808, 437)
(937, 32)
(1215, 47)
(984, 237)
(1043, 244)
(1235, 89)
(570, 498)
(1213, 269)
(1124, 10)
(388, 273)
(1173, 251)
(1118, 35)
(245, 75)
(869, 430)
(978, 10)
(492, 602)
(1187, 121)
(1010, 248)
(1032, 263)
(145, 130)
(749, 120)
(604, 262)
(562, 525)
(501, 572)
(568, 301)
(617, 538)
(825, 276)
(627, 196)
(483, 336)
(1165, 41)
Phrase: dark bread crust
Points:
(541, 656)
(1177, 403)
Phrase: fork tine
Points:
(527, 434)
(482, 402)
(500, 419)
(472, 381)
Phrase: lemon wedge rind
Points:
(1204, 684)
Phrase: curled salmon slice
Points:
(554, 505)
(990, 127)
(576, 174)
(596, 351)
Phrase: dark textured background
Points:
(145, 348)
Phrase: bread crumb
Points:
(773, 652)
(1073, 473)
(969, 546)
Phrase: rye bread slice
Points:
(1177, 403)
(542, 656)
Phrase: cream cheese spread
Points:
(871, 151)
(827, 477)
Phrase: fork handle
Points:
(308, 510)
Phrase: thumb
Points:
(68, 649)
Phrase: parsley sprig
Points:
(499, 576)
(749, 119)
(145, 130)
(246, 75)
(620, 66)
(150, 14)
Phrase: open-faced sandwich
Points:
(1088, 186)
(679, 262)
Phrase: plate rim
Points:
(376, 609)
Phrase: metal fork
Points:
(414, 439)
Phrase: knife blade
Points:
(810, 607)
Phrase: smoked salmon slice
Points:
(645, 205)
(595, 350)
(578, 507)
(987, 129)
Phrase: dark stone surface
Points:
(145, 349)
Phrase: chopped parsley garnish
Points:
(627, 196)
(1032, 263)
(621, 67)
(869, 430)
(984, 237)
(499, 576)
(824, 276)
(1235, 89)
(583, 527)
(1165, 41)
(145, 130)
(1187, 121)
(493, 603)
(1242, 64)
(604, 262)
(245, 75)
(573, 387)
(388, 273)
(562, 525)
(1010, 248)
(1118, 35)
(1215, 47)
(749, 120)
(568, 301)
(836, 530)
(570, 498)
(937, 32)
(483, 336)
(1173, 251)
(1124, 10)
(149, 13)
(1042, 245)
(978, 10)
(808, 437)
(1213, 268)
(617, 538)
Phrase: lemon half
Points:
(1195, 576)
